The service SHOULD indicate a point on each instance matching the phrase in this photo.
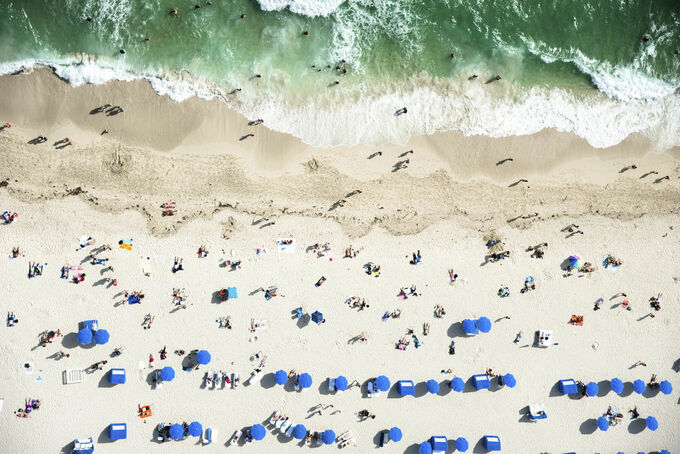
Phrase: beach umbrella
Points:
(176, 431)
(509, 380)
(203, 357)
(305, 380)
(664, 451)
(258, 432)
(457, 384)
(299, 432)
(101, 336)
(85, 336)
(280, 377)
(167, 373)
(341, 383)
(469, 326)
(574, 261)
(603, 424)
(432, 386)
(616, 385)
(666, 387)
(395, 434)
(484, 324)
(317, 317)
(639, 386)
(195, 429)
(382, 383)
(461, 444)
(652, 423)
(328, 437)
(592, 389)
(425, 448)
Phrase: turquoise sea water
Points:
(599, 68)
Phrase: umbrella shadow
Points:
(412, 449)
(456, 330)
(104, 382)
(267, 381)
(636, 426)
(323, 387)
(67, 448)
(555, 391)
(479, 447)
(444, 388)
(70, 340)
(420, 389)
(303, 321)
(524, 415)
(603, 388)
(393, 392)
(469, 386)
(588, 427)
(627, 389)
(651, 392)
(104, 436)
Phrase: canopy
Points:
(299, 432)
(305, 380)
(167, 373)
(652, 423)
(439, 443)
(395, 434)
(568, 386)
(341, 383)
(425, 448)
(280, 377)
(85, 336)
(328, 437)
(592, 389)
(666, 387)
(117, 376)
(203, 357)
(461, 444)
(616, 385)
(382, 383)
(195, 429)
(118, 431)
(317, 317)
(101, 336)
(481, 381)
(510, 380)
(406, 388)
(457, 384)
(469, 326)
(432, 386)
(639, 386)
(258, 432)
(176, 431)
(602, 423)
(484, 324)
(492, 443)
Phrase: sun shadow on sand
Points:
(588, 427)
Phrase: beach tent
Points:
(666, 387)
(616, 385)
(509, 380)
(492, 443)
(457, 384)
(652, 423)
(592, 389)
(118, 431)
(280, 377)
(117, 376)
(258, 432)
(305, 380)
(382, 383)
(469, 327)
(195, 429)
(461, 444)
(299, 432)
(432, 386)
(328, 437)
(167, 373)
(176, 431)
(101, 336)
(317, 317)
(602, 424)
(484, 324)
(439, 443)
(481, 381)
(85, 336)
(232, 293)
(406, 388)
(568, 386)
(395, 434)
(341, 383)
(83, 446)
(425, 448)
(203, 357)
(639, 386)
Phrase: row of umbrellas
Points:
(616, 385)
(651, 423)
(471, 327)
(441, 444)
(258, 432)
(86, 336)
(177, 430)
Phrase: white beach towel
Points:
(285, 248)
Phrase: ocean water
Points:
(602, 69)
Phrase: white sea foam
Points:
(311, 8)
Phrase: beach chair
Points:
(83, 446)
(209, 435)
(74, 376)
(275, 417)
(345, 436)
(234, 438)
(371, 389)
(350, 442)
(209, 379)
(544, 338)
(537, 412)
(288, 431)
(255, 377)
(331, 384)
(235, 380)
(384, 438)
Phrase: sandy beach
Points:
(452, 194)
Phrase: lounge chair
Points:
(544, 338)
(345, 436)
(275, 417)
(234, 438)
(255, 377)
(280, 422)
(350, 442)
(209, 435)
(83, 446)
(289, 430)
(331, 384)
(209, 379)
(287, 424)
(235, 380)
(371, 389)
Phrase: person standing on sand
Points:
(518, 337)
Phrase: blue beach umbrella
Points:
(85, 336)
(203, 357)
(469, 326)
(602, 424)
(461, 444)
(664, 451)
(195, 429)
(592, 389)
(509, 380)
(425, 448)
(639, 386)
(652, 423)
(258, 432)
(317, 317)
(167, 373)
(432, 386)
(305, 380)
(395, 434)
(328, 437)
(616, 385)
(341, 383)
(299, 432)
(101, 336)
(176, 431)
(484, 324)
(382, 383)
(666, 387)
(457, 384)
(574, 261)
(280, 377)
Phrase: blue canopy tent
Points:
(101, 336)
(167, 373)
(305, 380)
(461, 444)
(457, 384)
(469, 327)
(195, 429)
(176, 431)
(341, 383)
(118, 431)
(568, 386)
(317, 317)
(406, 388)
(432, 386)
(280, 377)
(85, 336)
(425, 448)
(639, 386)
(395, 434)
(481, 381)
(652, 423)
(484, 324)
(258, 432)
(117, 376)
(592, 389)
(328, 437)
(510, 380)
(232, 293)
(602, 424)
(382, 383)
(299, 432)
(616, 385)
(492, 443)
(439, 443)
(666, 387)
(203, 357)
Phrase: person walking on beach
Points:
(518, 337)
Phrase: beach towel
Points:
(146, 266)
(126, 246)
(134, 299)
(286, 248)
